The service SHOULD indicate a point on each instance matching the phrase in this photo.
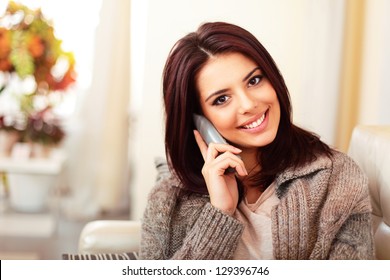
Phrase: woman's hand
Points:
(222, 187)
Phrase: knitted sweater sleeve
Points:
(354, 239)
(214, 236)
(205, 232)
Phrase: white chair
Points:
(110, 236)
(370, 148)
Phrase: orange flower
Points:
(36, 46)
(5, 42)
(5, 49)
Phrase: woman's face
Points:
(239, 101)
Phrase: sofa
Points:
(369, 147)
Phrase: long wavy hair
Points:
(292, 147)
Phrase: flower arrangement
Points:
(34, 73)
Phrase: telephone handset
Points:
(210, 134)
(207, 130)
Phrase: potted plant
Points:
(34, 74)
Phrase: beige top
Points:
(256, 239)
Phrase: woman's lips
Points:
(255, 123)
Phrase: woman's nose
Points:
(246, 103)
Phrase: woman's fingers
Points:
(228, 160)
(226, 155)
(215, 149)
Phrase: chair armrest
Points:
(109, 236)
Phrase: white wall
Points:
(303, 36)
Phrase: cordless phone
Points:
(210, 134)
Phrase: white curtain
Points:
(98, 134)
(315, 99)
(375, 87)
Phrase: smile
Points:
(256, 123)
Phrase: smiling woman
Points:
(286, 199)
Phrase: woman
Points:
(290, 197)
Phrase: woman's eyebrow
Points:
(216, 93)
(250, 73)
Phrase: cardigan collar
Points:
(320, 163)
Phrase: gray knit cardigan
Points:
(324, 213)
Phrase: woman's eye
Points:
(220, 100)
(255, 80)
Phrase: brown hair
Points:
(292, 146)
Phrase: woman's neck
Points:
(252, 165)
(252, 194)
(250, 159)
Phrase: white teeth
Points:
(255, 123)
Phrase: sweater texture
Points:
(324, 213)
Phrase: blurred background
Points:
(334, 55)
